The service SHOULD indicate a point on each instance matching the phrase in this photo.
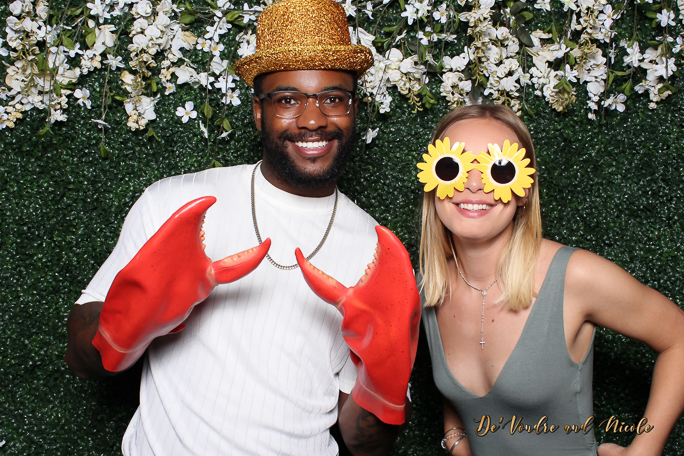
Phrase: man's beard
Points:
(282, 163)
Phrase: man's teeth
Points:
(312, 145)
(474, 207)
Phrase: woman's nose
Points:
(474, 181)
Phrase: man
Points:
(261, 366)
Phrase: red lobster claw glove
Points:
(381, 317)
(158, 289)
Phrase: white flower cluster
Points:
(497, 59)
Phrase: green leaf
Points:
(120, 97)
(152, 134)
(230, 17)
(213, 5)
(569, 43)
(226, 125)
(90, 38)
(58, 89)
(517, 7)
(438, 27)
(554, 32)
(520, 19)
(188, 8)
(153, 85)
(651, 15)
(524, 36)
(219, 120)
(528, 15)
(528, 110)
(104, 152)
(44, 131)
(68, 42)
(207, 110)
(567, 86)
(611, 76)
(186, 18)
(41, 64)
(559, 85)
(389, 29)
(621, 73)
(571, 59)
(496, 16)
(403, 6)
(215, 164)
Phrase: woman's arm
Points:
(608, 296)
(451, 421)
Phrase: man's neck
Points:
(277, 181)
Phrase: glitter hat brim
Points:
(350, 58)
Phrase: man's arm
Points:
(81, 355)
(363, 433)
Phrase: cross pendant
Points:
(482, 343)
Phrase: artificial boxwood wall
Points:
(613, 186)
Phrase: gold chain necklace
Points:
(258, 235)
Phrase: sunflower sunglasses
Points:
(503, 171)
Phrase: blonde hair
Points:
(515, 270)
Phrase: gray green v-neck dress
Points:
(538, 380)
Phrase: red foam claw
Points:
(380, 324)
(156, 291)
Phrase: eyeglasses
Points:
(290, 105)
(504, 171)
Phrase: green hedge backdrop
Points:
(613, 186)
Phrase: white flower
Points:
(248, 13)
(82, 97)
(369, 10)
(100, 123)
(114, 62)
(204, 129)
(224, 83)
(187, 112)
(678, 46)
(543, 5)
(216, 48)
(616, 102)
(104, 35)
(569, 4)
(633, 55)
(441, 14)
(666, 18)
(98, 9)
(16, 7)
(410, 13)
(349, 9)
(371, 134)
(232, 97)
(143, 8)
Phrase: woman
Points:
(510, 317)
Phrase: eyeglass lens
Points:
(447, 169)
(293, 104)
(503, 171)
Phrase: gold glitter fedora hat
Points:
(303, 35)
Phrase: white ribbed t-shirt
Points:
(260, 364)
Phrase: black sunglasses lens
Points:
(447, 169)
(503, 171)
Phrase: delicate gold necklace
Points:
(258, 235)
(481, 290)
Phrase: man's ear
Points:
(256, 110)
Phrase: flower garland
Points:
(475, 49)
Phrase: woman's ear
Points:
(522, 201)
